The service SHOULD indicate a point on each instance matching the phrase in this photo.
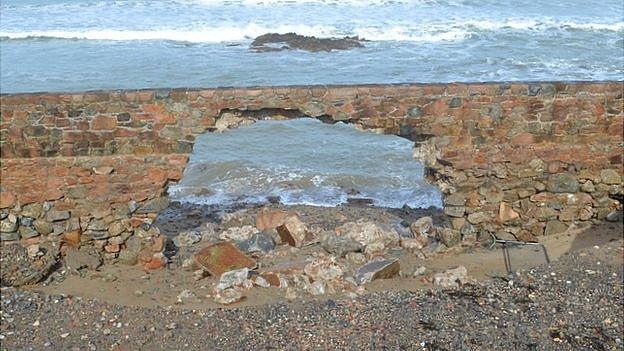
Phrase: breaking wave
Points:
(432, 32)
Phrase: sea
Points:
(81, 45)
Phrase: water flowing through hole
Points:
(304, 162)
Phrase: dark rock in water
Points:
(262, 242)
(274, 200)
(18, 268)
(292, 41)
(359, 201)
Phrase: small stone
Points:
(128, 257)
(356, 258)
(228, 296)
(610, 176)
(478, 217)
(9, 224)
(72, 238)
(588, 187)
(116, 228)
(32, 210)
(186, 239)
(562, 183)
(199, 274)
(34, 251)
(259, 242)
(506, 213)
(112, 248)
(43, 227)
(292, 231)
(9, 236)
(222, 257)
(411, 244)
(420, 271)
(54, 216)
(454, 211)
(28, 232)
(233, 278)
(451, 278)
(238, 234)
(449, 237)
(317, 288)
(381, 269)
(615, 216)
(185, 295)
(555, 227)
(423, 227)
(260, 281)
(103, 170)
(154, 206)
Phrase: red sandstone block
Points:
(102, 122)
(523, 139)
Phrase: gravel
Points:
(575, 303)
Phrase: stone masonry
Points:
(515, 160)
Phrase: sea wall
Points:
(518, 160)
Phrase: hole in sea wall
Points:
(303, 161)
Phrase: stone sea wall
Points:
(516, 160)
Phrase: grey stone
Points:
(562, 183)
(55, 216)
(96, 234)
(98, 225)
(456, 199)
(262, 242)
(615, 216)
(32, 210)
(339, 245)
(12, 236)
(455, 102)
(28, 232)
(610, 176)
(153, 206)
(78, 259)
(381, 269)
(414, 112)
(26, 221)
(534, 89)
(454, 211)
(9, 224)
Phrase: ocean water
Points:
(74, 45)
(304, 161)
